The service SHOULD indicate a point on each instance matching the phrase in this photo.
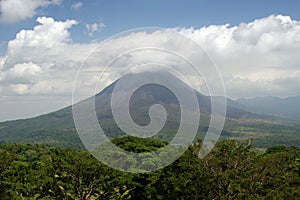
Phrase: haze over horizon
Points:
(42, 45)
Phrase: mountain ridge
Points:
(288, 107)
(57, 128)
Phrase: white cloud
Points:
(24, 72)
(17, 10)
(261, 54)
(254, 55)
(45, 59)
(77, 5)
(255, 59)
(95, 27)
(48, 34)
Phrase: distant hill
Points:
(282, 107)
(57, 128)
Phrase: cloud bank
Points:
(258, 58)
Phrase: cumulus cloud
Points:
(43, 60)
(95, 27)
(48, 34)
(77, 5)
(262, 55)
(255, 59)
(22, 73)
(17, 10)
(254, 55)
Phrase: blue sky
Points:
(123, 15)
(257, 54)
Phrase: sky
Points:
(253, 43)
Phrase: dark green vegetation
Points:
(47, 160)
(231, 171)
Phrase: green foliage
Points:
(138, 145)
(232, 170)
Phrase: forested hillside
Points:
(58, 129)
(231, 171)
